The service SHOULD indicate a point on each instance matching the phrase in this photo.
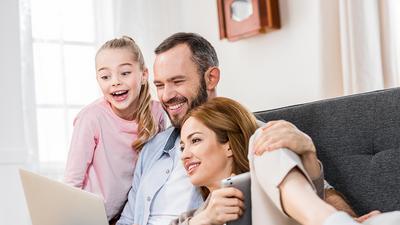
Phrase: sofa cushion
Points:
(357, 139)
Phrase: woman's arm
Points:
(300, 201)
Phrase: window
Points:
(64, 45)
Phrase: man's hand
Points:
(225, 204)
(283, 134)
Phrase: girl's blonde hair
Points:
(232, 123)
(147, 126)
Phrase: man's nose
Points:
(168, 93)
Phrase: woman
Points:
(214, 140)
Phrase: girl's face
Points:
(206, 160)
(120, 78)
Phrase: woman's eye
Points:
(195, 140)
(126, 73)
(182, 148)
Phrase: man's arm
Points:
(283, 134)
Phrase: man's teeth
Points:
(173, 107)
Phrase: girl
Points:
(109, 133)
(214, 140)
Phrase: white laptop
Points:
(54, 203)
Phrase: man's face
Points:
(179, 86)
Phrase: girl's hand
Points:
(225, 204)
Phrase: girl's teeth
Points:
(118, 92)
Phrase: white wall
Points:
(13, 149)
(296, 64)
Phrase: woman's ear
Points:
(228, 150)
(212, 77)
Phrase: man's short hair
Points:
(203, 53)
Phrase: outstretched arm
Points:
(300, 201)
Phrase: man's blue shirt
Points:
(157, 158)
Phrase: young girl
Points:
(215, 138)
(109, 133)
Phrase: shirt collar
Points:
(171, 140)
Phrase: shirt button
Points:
(167, 171)
(148, 198)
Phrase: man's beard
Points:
(200, 98)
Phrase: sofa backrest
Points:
(358, 141)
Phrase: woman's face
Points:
(206, 160)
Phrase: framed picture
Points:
(244, 18)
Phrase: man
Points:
(186, 74)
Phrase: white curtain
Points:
(27, 84)
(369, 44)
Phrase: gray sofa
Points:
(358, 141)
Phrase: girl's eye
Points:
(126, 73)
(104, 77)
(195, 140)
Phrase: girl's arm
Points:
(83, 144)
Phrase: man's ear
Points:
(212, 78)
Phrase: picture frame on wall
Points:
(240, 19)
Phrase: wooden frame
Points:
(264, 18)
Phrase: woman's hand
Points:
(225, 204)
